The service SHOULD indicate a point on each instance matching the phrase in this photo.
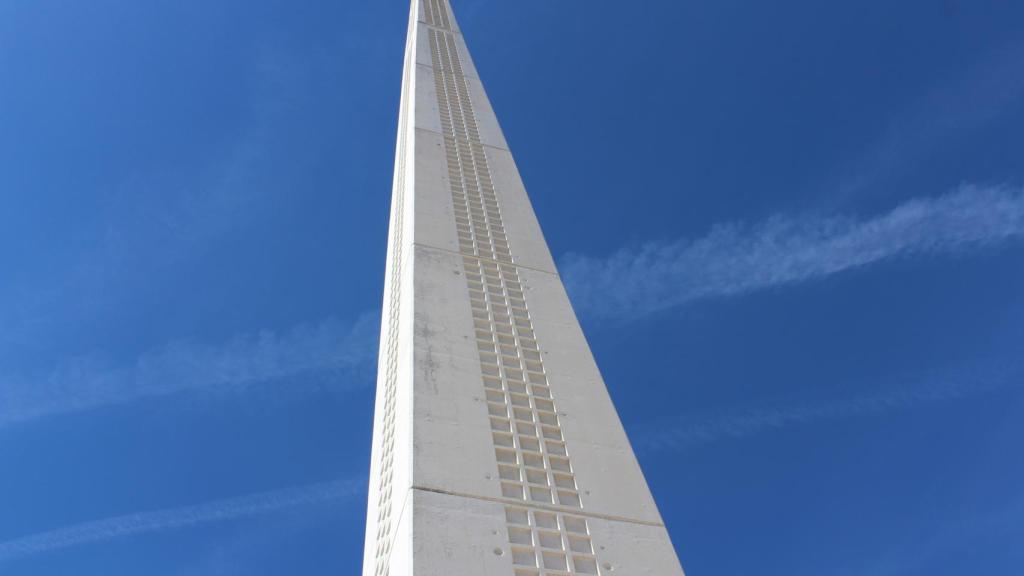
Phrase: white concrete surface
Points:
(496, 449)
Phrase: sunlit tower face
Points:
(496, 448)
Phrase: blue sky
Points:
(813, 213)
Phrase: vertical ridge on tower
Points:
(496, 447)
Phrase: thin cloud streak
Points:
(176, 518)
(752, 422)
(991, 88)
(330, 352)
(735, 259)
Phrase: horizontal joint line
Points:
(550, 507)
(499, 262)
(442, 134)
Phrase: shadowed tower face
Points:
(496, 448)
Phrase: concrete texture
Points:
(496, 449)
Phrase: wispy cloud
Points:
(740, 258)
(972, 532)
(145, 227)
(176, 518)
(963, 103)
(937, 388)
(329, 352)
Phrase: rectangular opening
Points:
(505, 455)
(551, 432)
(549, 540)
(555, 447)
(510, 490)
(519, 400)
(584, 565)
(575, 525)
(516, 516)
(533, 460)
(501, 439)
(538, 494)
(520, 536)
(536, 477)
(547, 418)
(524, 557)
(529, 444)
(545, 520)
(559, 464)
(507, 472)
(555, 561)
(523, 414)
(580, 544)
(567, 498)
(526, 429)
(565, 481)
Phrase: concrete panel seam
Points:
(440, 133)
(503, 263)
(548, 507)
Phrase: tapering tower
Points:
(496, 448)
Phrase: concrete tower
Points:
(496, 448)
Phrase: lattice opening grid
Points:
(549, 543)
(436, 13)
(384, 539)
(533, 462)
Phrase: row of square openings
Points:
(458, 118)
(549, 543)
(462, 136)
(384, 488)
(476, 235)
(532, 460)
(445, 54)
(436, 13)
(461, 132)
(455, 105)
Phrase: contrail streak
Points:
(330, 351)
(746, 423)
(174, 518)
(736, 259)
